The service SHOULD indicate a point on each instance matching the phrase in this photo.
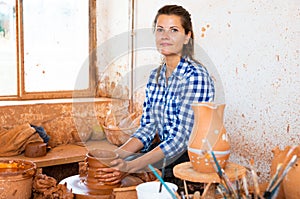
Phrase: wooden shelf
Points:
(65, 154)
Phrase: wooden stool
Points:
(185, 172)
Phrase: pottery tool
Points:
(182, 195)
(229, 184)
(176, 194)
(237, 184)
(185, 189)
(288, 158)
(162, 173)
(214, 157)
(162, 181)
(274, 189)
(255, 179)
(221, 192)
(274, 178)
(220, 171)
(216, 166)
(245, 186)
(293, 150)
(197, 195)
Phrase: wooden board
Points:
(65, 154)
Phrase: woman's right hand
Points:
(109, 175)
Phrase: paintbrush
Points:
(162, 173)
(273, 179)
(255, 179)
(230, 186)
(268, 193)
(162, 181)
(275, 187)
(245, 186)
(220, 191)
(185, 189)
(182, 195)
(237, 184)
(220, 171)
(224, 184)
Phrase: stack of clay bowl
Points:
(99, 159)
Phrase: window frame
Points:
(21, 93)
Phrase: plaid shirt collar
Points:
(178, 71)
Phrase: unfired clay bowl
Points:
(99, 158)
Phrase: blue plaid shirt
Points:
(167, 107)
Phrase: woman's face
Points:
(170, 35)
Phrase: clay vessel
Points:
(35, 149)
(99, 159)
(208, 134)
(16, 177)
(289, 187)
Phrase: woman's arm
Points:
(120, 168)
(129, 148)
(140, 163)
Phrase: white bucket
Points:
(150, 190)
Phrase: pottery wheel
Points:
(81, 190)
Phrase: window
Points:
(45, 48)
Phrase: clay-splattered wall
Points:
(64, 122)
(251, 48)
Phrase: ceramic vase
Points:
(208, 134)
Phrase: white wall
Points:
(252, 49)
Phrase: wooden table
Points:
(65, 154)
(185, 172)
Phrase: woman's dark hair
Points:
(188, 49)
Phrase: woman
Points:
(172, 88)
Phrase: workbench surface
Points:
(65, 154)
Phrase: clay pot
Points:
(35, 149)
(16, 177)
(289, 188)
(292, 181)
(208, 134)
(99, 159)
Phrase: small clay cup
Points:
(35, 149)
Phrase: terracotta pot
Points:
(99, 159)
(208, 134)
(16, 178)
(289, 187)
(292, 181)
(35, 149)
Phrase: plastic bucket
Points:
(150, 190)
